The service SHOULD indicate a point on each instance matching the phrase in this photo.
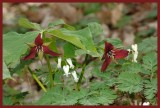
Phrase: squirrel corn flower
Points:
(146, 104)
(38, 47)
(112, 53)
(70, 63)
(66, 70)
(59, 62)
(74, 74)
(135, 52)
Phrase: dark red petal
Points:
(105, 64)
(31, 54)
(108, 47)
(38, 41)
(120, 53)
(48, 51)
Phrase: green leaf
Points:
(14, 45)
(150, 60)
(132, 67)
(150, 88)
(69, 50)
(6, 73)
(56, 23)
(27, 24)
(148, 45)
(95, 28)
(81, 38)
(130, 82)
(103, 97)
(57, 96)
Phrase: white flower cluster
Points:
(135, 52)
(67, 67)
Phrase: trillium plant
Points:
(72, 67)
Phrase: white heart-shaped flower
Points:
(74, 74)
(59, 62)
(69, 61)
(135, 52)
(66, 70)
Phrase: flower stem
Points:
(50, 71)
(82, 73)
(37, 80)
(80, 78)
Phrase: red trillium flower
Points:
(112, 53)
(38, 47)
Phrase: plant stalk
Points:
(50, 71)
(37, 80)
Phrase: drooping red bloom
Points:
(38, 47)
(112, 53)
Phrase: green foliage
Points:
(130, 82)
(91, 7)
(123, 21)
(150, 61)
(7, 101)
(6, 73)
(102, 97)
(69, 50)
(55, 23)
(148, 45)
(152, 14)
(132, 67)
(81, 38)
(27, 24)
(95, 28)
(151, 88)
(59, 96)
(14, 45)
(146, 33)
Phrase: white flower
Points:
(59, 62)
(66, 70)
(135, 52)
(75, 76)
(70, 63)
(146, 104)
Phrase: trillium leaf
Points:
(81, 38)
(55, 23)
(27, 24)
(95, 28)
(69, 50)
(14, 45)
(130, 82)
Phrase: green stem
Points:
(50, 71)
(80, 78)
(82, 73)
(35, 77)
